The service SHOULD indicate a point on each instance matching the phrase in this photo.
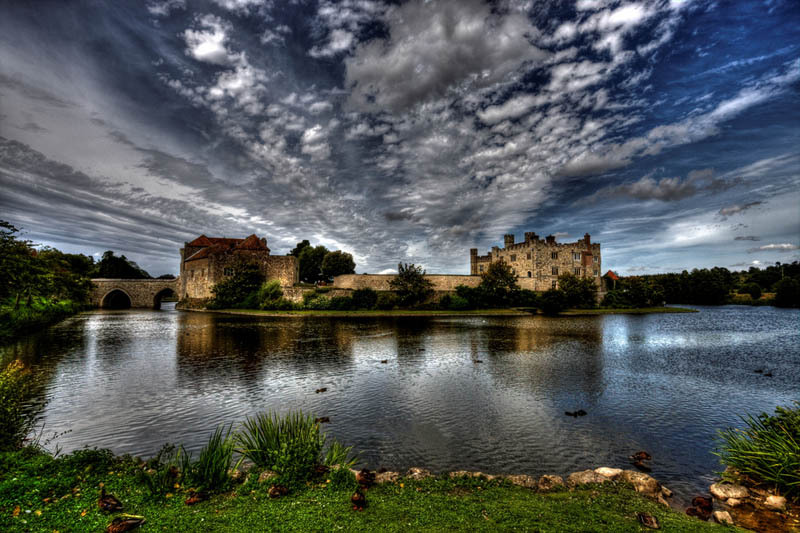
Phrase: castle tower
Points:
(508, 240)
(473, 261)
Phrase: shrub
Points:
(16, 421)
(767, 450)
(341, 303)
(342, 479)
(339, 454)
(316, 302)
(444, 302)
(161, 473)
(288, 445)
(364, 299)
(210, 470)
(787, 293)
(411, 285)
(472, 296)
(527, 298)
(386, 301)
(754, 290)
(616, 299)
(553, 302)
(579, 292)
(457, 303)
(234, 290)
(498, 285)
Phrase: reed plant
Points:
(289, 445)
(767, 450)
(339, 454)
(161, 474)
(209, 471)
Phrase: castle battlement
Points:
(540, 261)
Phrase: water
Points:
(133, 380)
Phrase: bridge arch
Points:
(165, 292)
(116, 299)
(141, 293)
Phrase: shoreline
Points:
(441, 313)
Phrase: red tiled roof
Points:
(251, 243)
(215, 245)
(611, 275)
(202, 240)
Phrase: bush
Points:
(498, 287)
(341, 303)
(787, 293)
(386, 301)
(411, 285)
(234, 290)
(288, 445)
(473, 296)
(339, 454)
(767, 450)
(616, 299)
(579, 292)
(457, 303)
(527, 298)
(16, 421)
(161, 473)
(364, 299)
(553, 302)
(210, 470)
(754, 290)
(316, 302)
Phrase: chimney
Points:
(588, 240)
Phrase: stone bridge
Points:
(124, 293)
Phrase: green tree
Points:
(499, 285)
(787, 293)
(364, 298)
(20, 272)
(310, 263)
(113, 267)
(411, 285)
(337, 263)
(245, 281)
(579, 292)
(299, 248)
(552, 301)
(67, 274)
(754, 290)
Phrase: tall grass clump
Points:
(16, 419)
(339, 454)
(289, 445)
(210, 470)
(767, 450)
(162, 473)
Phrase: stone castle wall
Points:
(380, 282)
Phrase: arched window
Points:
(529, 273)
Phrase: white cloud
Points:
(785, 247)
(512, 108)
(240, 5)
(319, 107)
(338, 41)
(163, 8)
(207, 44)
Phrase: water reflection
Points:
(132, 380)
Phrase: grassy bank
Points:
(40, 314)
(39, 493)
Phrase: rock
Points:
(548, 482)
(418, 473)
(666, 492)
(733, 502)
(521, 480)
(266, 475)
(584, 477)
(722, 517)
(775, 503)
(642, 483)
(610, 473)
(723, 491)
(386, 477)
(466, 473)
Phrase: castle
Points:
(208, 260)
(538, 262)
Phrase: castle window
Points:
(576, 256)
(529, 272)
(596, 272)
(577, 271)
(529, 255)
(555, 271)
(228, 271)
(513, 257)
(553, 255)
(596, 259)
(480, 268)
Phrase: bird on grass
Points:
(699, 513)
(196, 497)
(276, 491)
(365, 478)
(358, 500)
(126, 522)
(108, 502)
(704, 503)
(648, 520)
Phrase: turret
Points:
(550, 239)
(588, 240)
(508, 240)
(531, 236)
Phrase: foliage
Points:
(235, 289)
(299, 248)
(616, 299)
(767, 450)
(270, 296)
(553, 301)
(16, 421)
(387, 301)
(166, 276)
(210, 470)
(339, 454)
(341, 303)
(161, 473)
(39, 313)
(364, 298)
(288, 445)
(579, 292)
(342, 479)
(310, 263)
(111, 266)
(787, 293)
(457, 303)
(527, 298)
(411, 286)
(498, 286)
(337, 263)
(316, 301)
(754, 290)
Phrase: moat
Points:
(477, 393)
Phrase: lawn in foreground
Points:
(38, 493)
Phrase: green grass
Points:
(71, 486)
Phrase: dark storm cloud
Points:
(747, 238)
(401, 132)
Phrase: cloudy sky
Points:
(412, 131)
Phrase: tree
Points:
(787, 293)
(579, 292)
(364, 298)
(166, 276)
(234, 290)
(310, 263)
(337, 263)
(67, 274)
(499, 285)
(754, 290)
(552, 301)
(411, 285)
(113, 267)
(19, 270)
(299, 248)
